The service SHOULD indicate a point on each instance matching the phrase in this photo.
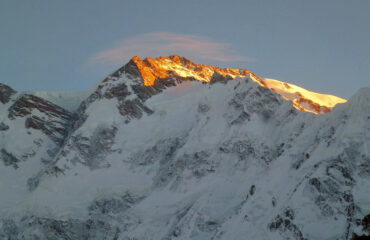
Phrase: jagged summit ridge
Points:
(165, 67)
(152, 71)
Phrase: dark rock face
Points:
(5, 93)
(365, 222)
(114, 205)
(26, 103)
(218, 78)
(145, 92)
(9, 159)
(54, 121)
(284, 223)
(3, 127)
(198, 165)
(256, 100)
(120, 91)
(130, 68)
(55, 132)
(362, 237)
(80, 115)
(133, 108)
(93, 150)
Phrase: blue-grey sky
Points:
(70, 45)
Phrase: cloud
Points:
(166, 43)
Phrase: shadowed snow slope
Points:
(182, 158)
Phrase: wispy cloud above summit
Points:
(166, 43)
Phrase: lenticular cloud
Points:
(165, 43)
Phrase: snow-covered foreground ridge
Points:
(184, 151)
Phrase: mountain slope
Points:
(32, 131)
(222, 157)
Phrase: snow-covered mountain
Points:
(169, 149)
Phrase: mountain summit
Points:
(163, 68)
(169, 149)
(152, 70)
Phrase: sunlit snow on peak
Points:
(153, 69)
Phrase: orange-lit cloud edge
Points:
(166, 43)
(155, 69)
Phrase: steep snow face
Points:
(298, 94)
(301, 98)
